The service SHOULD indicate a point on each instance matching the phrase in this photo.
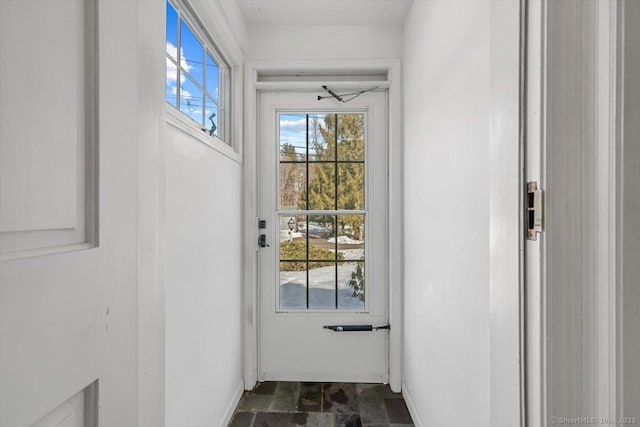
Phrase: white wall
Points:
(446, 135)
(629, 330)
(204, 233)
(293, 42)
(204, 236)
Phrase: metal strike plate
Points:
(535, 210)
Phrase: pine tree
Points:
(350, 147)
(291, 177)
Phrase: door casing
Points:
(253, 83)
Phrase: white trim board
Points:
(233, 404)
(250, 300)
(595, 323)
(413, 411)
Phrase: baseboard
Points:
(417, 421)
(233, 404)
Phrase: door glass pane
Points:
(351, 237)
(322, 285)
(350, 247)
(293, 181)
(321, 137)
(351, 137)
(351, 186)
(320, 234)
(293, 137)
(324, 253)
(293, 240)
(351, 286)
(293, 285)
(322, 186)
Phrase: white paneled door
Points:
(68, 228)
(323, 245)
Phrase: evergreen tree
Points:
(291, 177)
(346, 140)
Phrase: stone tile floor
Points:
(281, 404)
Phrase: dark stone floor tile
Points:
(340, 397)
(280, 419)
(372, 410)
(242, 419)
(310, 397)
(382, 390)
(254, 402)
(347, 420)
(397, 411)
(267, 387)
(320, 419)
(285, 397)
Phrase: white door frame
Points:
(602, 332)
(253, 70)
(506, 296)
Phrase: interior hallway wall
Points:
(203, 341)
(204, 229)
(446, 213)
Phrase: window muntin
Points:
(322, 211)
(198, 78)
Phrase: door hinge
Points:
(535, 210)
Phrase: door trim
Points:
(250, 306)
(602, 334)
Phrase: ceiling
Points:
(325, 12)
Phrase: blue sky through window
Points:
(191, 100)
(172, 27)
(191, 70)
(191, 54)
(293, 130)
(213, 76)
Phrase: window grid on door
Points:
(332, 155)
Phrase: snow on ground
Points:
(284, 235)
(322, 292)
(345, 240)
(351, 254)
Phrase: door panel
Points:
(46, 191)
(323, 192)
(68, 302)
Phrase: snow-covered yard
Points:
(322, 292)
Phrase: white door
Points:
(68, 228)
(323, 196)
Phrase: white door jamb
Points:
(250, 317)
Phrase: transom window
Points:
(198, 79)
